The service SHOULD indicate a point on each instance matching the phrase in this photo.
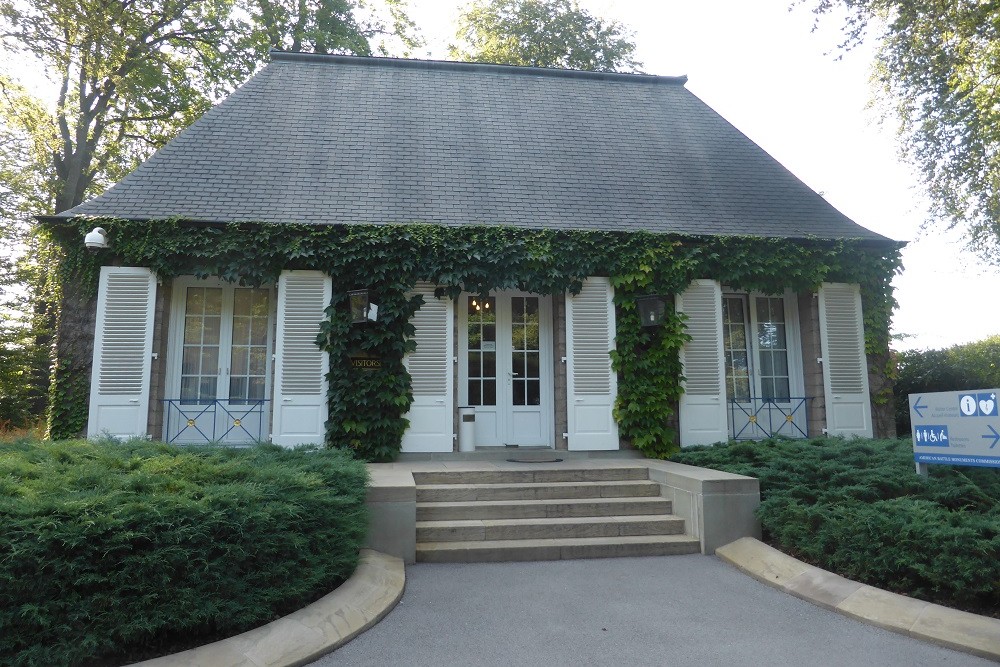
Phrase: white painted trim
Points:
(545, 359)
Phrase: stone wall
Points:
(74, 354)
(812, 370)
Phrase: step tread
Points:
(531, 485)
(472, 523)
(557, 541)
(637, 500)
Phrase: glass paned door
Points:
(505, 348)
(222, 370)
(758, 379)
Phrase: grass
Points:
(857, 508)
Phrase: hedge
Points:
(112, 552)
(970, 366)
(857, 508)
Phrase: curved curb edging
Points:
(305, 635)
(960, 630)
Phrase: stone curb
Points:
(979, 635)
(306, 635)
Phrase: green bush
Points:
(857, 507)
(115, 551)
(971, 366)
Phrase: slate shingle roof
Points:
(346, 140)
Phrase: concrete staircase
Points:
(544, 514)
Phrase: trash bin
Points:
(466, 429)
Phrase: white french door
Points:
(505, 367)
(763, 371)
(220, 351)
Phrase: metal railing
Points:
(217, 421)
(757, 418)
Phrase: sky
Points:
(762, 67)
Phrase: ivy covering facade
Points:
(367, 408)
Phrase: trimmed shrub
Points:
(113, 552)
(971, 366)
(857, 508)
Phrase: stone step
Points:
(536, 491)
(555, 549)
(531, 529)
(527, 476)
(537, 509)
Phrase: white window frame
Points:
(793, 342)
(175, 341)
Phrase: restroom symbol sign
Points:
(978, 405)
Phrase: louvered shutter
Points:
(123, 352)
(845, 367)
(300, 369)
(592, 385)
(430, 369)
(703, 403)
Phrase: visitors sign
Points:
(957, 427)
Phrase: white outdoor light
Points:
(96, 240)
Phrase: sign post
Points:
(956, 427)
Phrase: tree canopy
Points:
(126, 76)
(542, 33)
(939, 69)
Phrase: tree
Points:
(542, 33)
(938, 66)
(127, 75)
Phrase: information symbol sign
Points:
(978, 405)
(967, 404)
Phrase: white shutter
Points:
(123, 352)
(592, 385)
(703, 404)
(300, 369)
(430, 368)
(845, 367)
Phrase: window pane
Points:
(258, 361)
(211, 331)
(517, 337)
(517, 364)
(475, 393)
(213, 301)
(189, 365)
(534, 392)
(258, 330)
(242, 300)
(237, 388)
(781, 389)
(240, 360)
(533, 366)
(210, 360)
(489, 364)
(256, 391)
(195, 302)
(189, 389)
(261, 303)
(475, 364)
(489, 392)
(489, 332)
(766, 364)
(192, 330)
(207, 388)
(519, 392)
(241, 330)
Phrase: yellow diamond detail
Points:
(236, 422)
(753, 419)
(190, 422)
(788, 418)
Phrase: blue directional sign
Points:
(956, 427)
